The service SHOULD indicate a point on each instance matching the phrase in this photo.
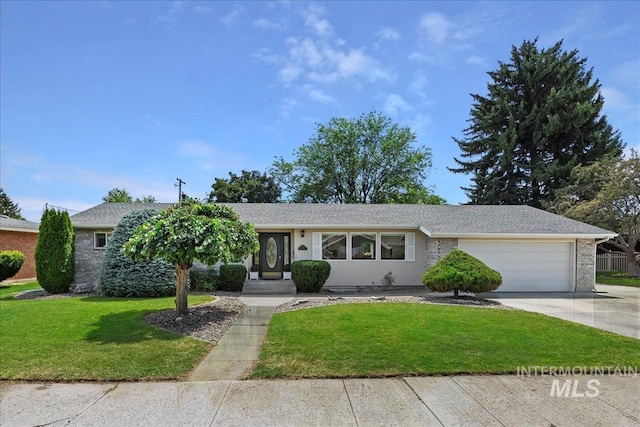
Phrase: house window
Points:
(363, 246)
(392, 246)
(100, 240)
(334, 246)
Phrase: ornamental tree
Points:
(54, 252)
(459, 271)
(190, 231)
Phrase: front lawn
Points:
(91, 338)
(391, 339)
(618, 278)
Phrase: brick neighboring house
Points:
(20, 235)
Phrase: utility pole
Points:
(179, 185)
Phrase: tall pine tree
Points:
(540, 119)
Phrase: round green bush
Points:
(10, 263)
(203, 279)
(309, 276)
(232, 277)
(459, 271)
(54, 252)
(121, 276)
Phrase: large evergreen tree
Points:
(540, 119)
(8, 207)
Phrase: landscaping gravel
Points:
(207, 322)
(301, 303)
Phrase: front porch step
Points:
(269, 287)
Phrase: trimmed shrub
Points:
(310, 276)
(459, 271)
(54, 252)
(203, 279)
(10, 263)
(232, 277)
(121, 276)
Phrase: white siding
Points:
(527, 266)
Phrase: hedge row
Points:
(10, 263)
(310, 276)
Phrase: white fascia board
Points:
(426, 231)
(22, 230)
(94, 226)
(521, 236)
(336, 226)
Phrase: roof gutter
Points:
(23, 230)
(524, 236)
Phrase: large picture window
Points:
(363, 246)
(393, 246)
(334, 246)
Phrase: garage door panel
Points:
(526, 266)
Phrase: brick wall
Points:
(24, 242)
(585, 265)
(438, 248)
(87, 261)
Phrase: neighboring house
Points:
(20, 235)
(533, 250)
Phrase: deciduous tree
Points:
(250, 187)
(190, 231)
(607, 194)
(365, 160)
(540, 119)
(118, 195)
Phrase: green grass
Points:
(618, 278)
(377, 340)
(91, 338)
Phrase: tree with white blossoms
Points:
(190, 231)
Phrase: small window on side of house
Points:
(101, 240)
(393, 246)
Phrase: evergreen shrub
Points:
(310, 276)
(232, 277)
(121, 276)
(10, 263)
(54, 252)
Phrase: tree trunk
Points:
(455, 292)
(632, 263)
(182, 272)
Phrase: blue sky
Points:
(97, 95)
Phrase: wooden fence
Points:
(611, 261)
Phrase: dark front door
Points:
(272, 253)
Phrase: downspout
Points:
(594, 290)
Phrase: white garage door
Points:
(526, 266)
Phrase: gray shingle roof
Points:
(437, 221)
(13, 224)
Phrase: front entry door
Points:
(271, 255)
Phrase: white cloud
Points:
(418, 84)
(289, 73)
(436, 27)
(232, 18)
(313, 20)
(265, 55)
(395, 104)
(477, 60)
(628, 74)
(318, 95)
(387, 34)
(421, 57)
(266, 24)
(287, 107)
(305, 51)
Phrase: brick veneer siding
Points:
(585, 265)
(24, 242)
(436, 249)
(87, 261)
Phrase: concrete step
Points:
(269, 287)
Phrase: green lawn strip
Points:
(618, 278)
(377, 340)
(6, 291)
(92, 338)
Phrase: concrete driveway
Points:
(612, 308)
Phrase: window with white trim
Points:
(393, 246)
(334, 246)
(101, 239)
(363, 246)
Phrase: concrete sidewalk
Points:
(423, 401)
(234, 356)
